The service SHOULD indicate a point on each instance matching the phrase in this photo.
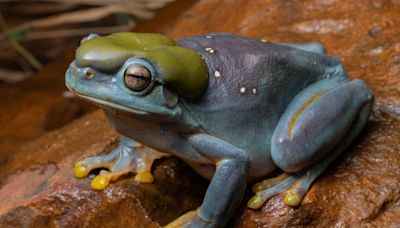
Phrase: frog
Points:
(234, 108)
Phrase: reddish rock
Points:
(36, 106)
(38, 187)
(359, 189)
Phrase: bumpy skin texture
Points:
(261, 106)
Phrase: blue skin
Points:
(289, 106)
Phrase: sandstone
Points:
(359, 189)
(38, 187)
(36, 106)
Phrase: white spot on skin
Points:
(242, 89)
(209, 50)
(254, 90)
(209, 37)
(217, 74)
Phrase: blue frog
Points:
(233, 108)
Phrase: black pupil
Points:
(137, 78)
(140, 77)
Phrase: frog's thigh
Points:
(297, 185)
(315, 122)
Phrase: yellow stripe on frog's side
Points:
(301, 110)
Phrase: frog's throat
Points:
(108, 104)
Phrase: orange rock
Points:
(35, 106)
(359, 189)
(40, 189)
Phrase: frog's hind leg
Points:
(129, 156)
(317, 126)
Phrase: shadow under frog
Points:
(233, 108)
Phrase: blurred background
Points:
(34, 33)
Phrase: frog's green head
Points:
(138, 73)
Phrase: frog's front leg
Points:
(227, 186)
(316, 127)
(129, 156)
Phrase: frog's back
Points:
(251, 83)
(243, 70)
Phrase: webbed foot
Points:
(129, 156)
(295, 187)
(267, 183)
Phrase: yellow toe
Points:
(144, 177)
(255, 202)
(183, 220)
(292, 198)
(81, 170)
(100, 182)
(257, 187)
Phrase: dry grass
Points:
(35, 32)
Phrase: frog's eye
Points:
(137, 77)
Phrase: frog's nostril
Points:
(86, 38)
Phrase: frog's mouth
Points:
(109, 105)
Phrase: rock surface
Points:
(359, 189)
(36, 106)
(43, 192)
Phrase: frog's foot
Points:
(189, 219)
(295, 187)
(269, 188)
(144, 163)
(267, 183)
(128, 157)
